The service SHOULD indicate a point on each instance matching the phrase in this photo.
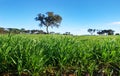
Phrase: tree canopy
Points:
(91, 31)
(49, 20)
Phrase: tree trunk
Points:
(47, 30)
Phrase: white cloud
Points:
(114, 23)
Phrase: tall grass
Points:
(40, 55)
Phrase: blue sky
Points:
(78, 15)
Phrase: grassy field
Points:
(59, 55)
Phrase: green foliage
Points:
(51, 20)
(42, 54)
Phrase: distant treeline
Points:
(18, 31)
(24, 31)
(102, 32)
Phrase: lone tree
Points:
(91, 31)
(49, 20)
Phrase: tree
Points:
(117, 34)
(110, 32)
(66, 33)
(100, 32)
(107, 32)
(91, 31)
(2, 30)
(49, 20)
(13, 30)
(22, 30)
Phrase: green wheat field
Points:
(57, 55)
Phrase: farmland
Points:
(59, 55)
